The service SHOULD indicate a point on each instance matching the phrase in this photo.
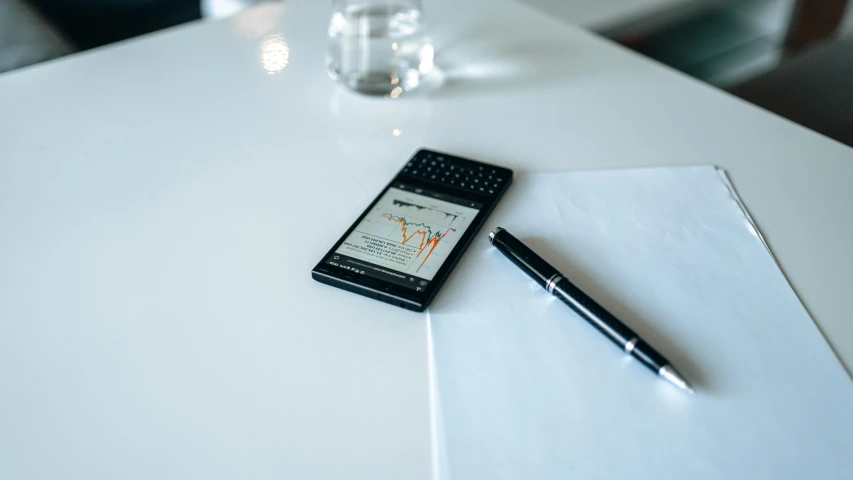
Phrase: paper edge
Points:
(724, 177)
(438, 444)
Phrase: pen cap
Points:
(522, 256)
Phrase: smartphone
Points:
(406, 243)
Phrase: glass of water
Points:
(378, 47)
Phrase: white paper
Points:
(524, 388)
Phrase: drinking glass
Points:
(378, 47)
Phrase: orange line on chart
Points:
(428, 239)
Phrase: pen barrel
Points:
(646, 354)
(593, 313)
(524, 258)
(552, 281)
(606, 323)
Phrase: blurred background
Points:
(792, 57)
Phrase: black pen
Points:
(559, 286)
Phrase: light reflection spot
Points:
(275, 53)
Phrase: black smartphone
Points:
(403, 247)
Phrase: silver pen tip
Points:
(672, 376)
(493, 233)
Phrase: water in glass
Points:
(378, 47)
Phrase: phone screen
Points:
(406, 236)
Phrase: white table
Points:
(614, 16)
(163, 200)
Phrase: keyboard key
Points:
(442, 170)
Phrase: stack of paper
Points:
(524, 388)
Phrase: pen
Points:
(559, 286)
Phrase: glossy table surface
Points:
(163, 200)
(612, 15)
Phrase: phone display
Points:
(403, 246)
(407, 235)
